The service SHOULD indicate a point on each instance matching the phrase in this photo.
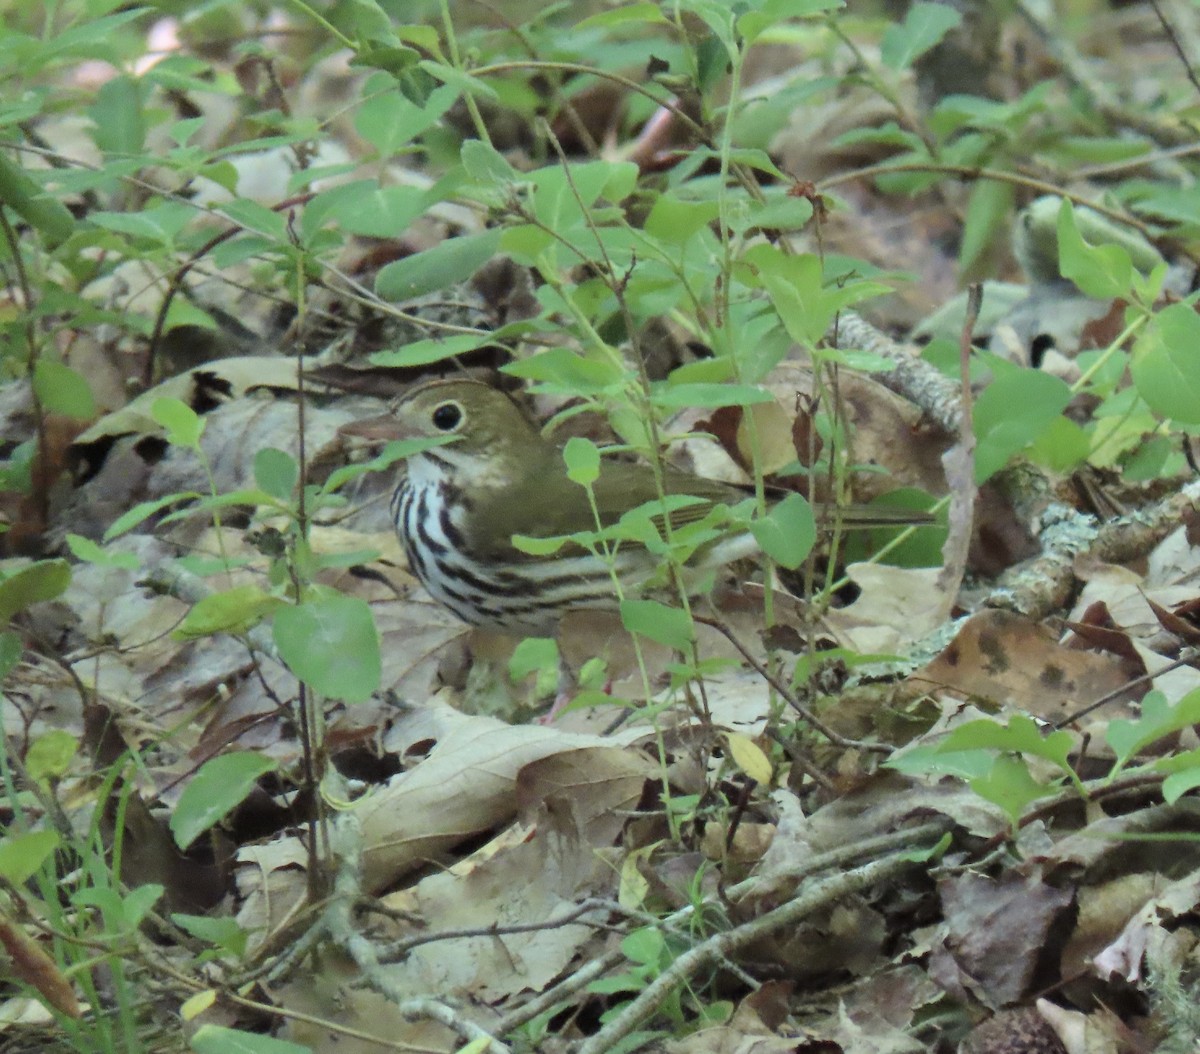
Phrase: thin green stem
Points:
(477, 120)
(1113, 348)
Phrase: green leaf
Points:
(1178, 784)
(21, 855)
(122, 914)
(332, 645)
(87, 550)
(62, 390)
(388, 119)
(674, 220)
(426, 352)
(771, 12)
(256, 217)
(626, 13)
(536, 655)
(365, 208)
(1020, 735)
(1010, 785)
(1165, 367)
(11, 650)
(923, 27)
(658, 622)
(184, 426)
(1158, 719)
(143, 511)
(49, 756)
(564, 370)
(539, 546)
(988, 210)
(1011, 413)
(796, 287)
(220, 785)
(119, 119)
(40, 581)
(710, 395)
(485, 164)
(459, 79)
(788, 532)
(229, 611)
(276, 472)
(36, 207)
(223, 933)
(451, 261)
(582, 458)
(1102, 271)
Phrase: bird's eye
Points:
(447, 417)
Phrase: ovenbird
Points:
(459, 506)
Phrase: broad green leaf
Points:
(367, 209)
(1010, 785)
(87, 550)
(459, 79)
(1158, 718)
(62, 390)
(389, 120)
(40, 581)
(219, 786)
(782, 212)
(184, 426)
(532, 655)
(229, 611)
(451, 261)
(539, 546)
(582, 458)
(928, 759)
(332, 645)
(49, 756)
(1020, 735)
(710, 395)
(143, 511)
(626, 13)
(923, 27)
(11, 649)
(222, 932)
(425, 352)
(485, 164)
(673, 220)
(276, 472)
(118, 116)
(769, 14)
(796, 287)
(159, 224)
(36, 207)
(1102, 271)
(989, 209)
(666, 625)
(788, 532)
(121, 913)
(561, 369)
(1165, 366)
(1011, 413)
(21, 855)
(258, 218)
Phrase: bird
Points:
(458, 506)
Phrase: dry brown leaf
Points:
(1012, 661)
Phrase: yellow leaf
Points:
(748, 757)
(198, 1003)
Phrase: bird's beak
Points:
(381, 429)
